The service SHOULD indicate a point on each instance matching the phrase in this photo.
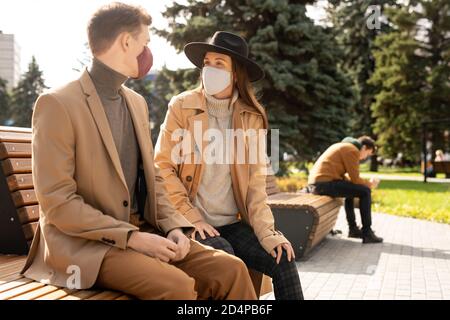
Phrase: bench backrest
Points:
(441, 166)
(19, 204)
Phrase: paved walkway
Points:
(412, 263)
(403, 177)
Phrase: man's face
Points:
(364, 153)
(135, 46)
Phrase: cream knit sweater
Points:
(215, 198)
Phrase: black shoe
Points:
(354, 232)
(370, 237)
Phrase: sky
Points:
(55, 33)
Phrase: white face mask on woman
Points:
(215, 80)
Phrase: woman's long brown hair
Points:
(246, 90)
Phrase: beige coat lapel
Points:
(142, 130)
(201, 119)
(99, 115)
(240, 174)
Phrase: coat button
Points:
(125, 203)
(188, 178)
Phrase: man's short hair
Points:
(368, 142)
(111, 20)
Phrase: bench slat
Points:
(81, 295)
(325, 230)
(8, 136)
(11, 265)
(15, 129)
(10, 258)
(326, 209)
(36, 293)
(327, 217)
(106, 295)
(290, 199)
(23, 198)
(16, 165)
(10, 278)
(15, 150)
(28, 214)
(11, 268)
(20, 182)
(326, 224)
(14, 284)
(21, 290)
(57, 295)
(29, 230)
(11, 272)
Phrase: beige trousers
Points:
(203, 274)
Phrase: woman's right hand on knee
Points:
(152, 245)
(204, 228)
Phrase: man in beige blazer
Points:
(89, 139)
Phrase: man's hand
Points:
(277, 252)
(183, 243)
(153, 245)
(374, 182)
(201, 227)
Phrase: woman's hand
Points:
(201, 227)
(277, 252)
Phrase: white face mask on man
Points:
(215, 80)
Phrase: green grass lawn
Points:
(430, 201)
(403, 172)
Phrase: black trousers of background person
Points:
(349, 191)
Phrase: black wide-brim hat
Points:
(225, 43)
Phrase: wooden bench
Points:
(304, 219)
(19, 218)
(442, 167)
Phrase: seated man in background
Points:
(327, 177)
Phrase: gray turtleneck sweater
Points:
(107, 82)
(215, 198)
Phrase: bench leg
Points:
(261, 282)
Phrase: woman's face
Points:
(223, 62)
(218, 60)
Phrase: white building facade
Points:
(9, 60)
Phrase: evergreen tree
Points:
(412, 75)
(356, 29)
(159, 91)
(400, 78)
(436, 47)
(356, 38)
(26, 93)
(5, 102)
(306, 96)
